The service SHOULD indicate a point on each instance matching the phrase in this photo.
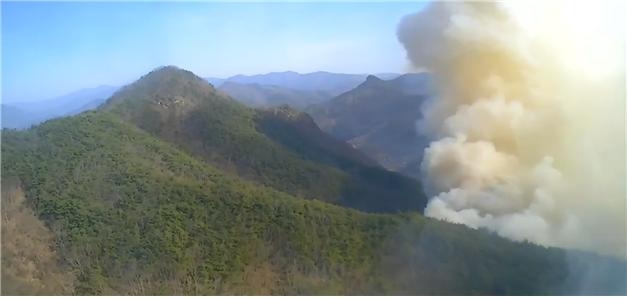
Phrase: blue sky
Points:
(49, 49)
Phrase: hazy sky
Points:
(49, 49)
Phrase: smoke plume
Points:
(528, 126)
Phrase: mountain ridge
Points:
(260, 96)
(183, 109)
(334, 83)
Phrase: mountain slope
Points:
(179, 107)
(30, 259)
(135, 215)
(256, 95)
(369, 185)
(378, 117)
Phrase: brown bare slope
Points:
(30, 263)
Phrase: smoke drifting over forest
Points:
(528, 127)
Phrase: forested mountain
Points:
(22, 115)
(177, 106)
(172, 188)
(257, 95)
(379, 117)
(132, 214)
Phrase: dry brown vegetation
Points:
(30, 264)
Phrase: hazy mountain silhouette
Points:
(257, 95)
(19, 115)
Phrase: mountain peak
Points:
(167, 67)
(371, 81)
(170, 72)
(373, 78)
(165, 88)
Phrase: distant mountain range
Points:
(379, 117)
(20, 115)
(291, 88)
(257, 95)
(334, 83)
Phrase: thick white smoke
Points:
(529, 122)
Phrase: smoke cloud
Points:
(528, 126)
